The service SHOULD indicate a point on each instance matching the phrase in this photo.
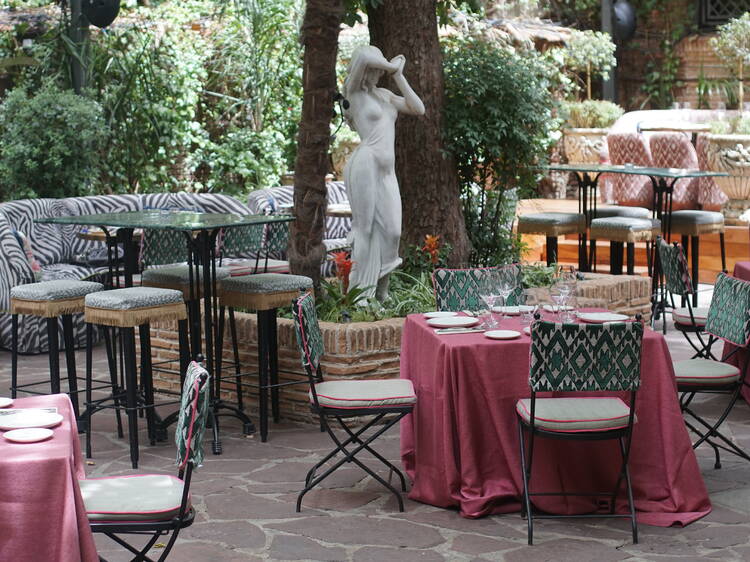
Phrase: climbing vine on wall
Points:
(670, 21)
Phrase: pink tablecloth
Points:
(460, 447)
(42, 517)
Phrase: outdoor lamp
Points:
(100, 13)
(624, 24)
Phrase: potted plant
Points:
(728, 150)
(728, 144)
(588, 54)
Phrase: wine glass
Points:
(487, 292)
(506, 283)
(529, 306)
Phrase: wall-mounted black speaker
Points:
(100, 13)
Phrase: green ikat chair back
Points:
(277, 238)
(162, 247)
(458, 289)
(729, 313)
(191, 424)
(242, 241)
(309, 337)
(585, 357)
(675, 267)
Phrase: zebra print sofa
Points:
(56, 247)
(265, 201)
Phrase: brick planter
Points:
(365, 349)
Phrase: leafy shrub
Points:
(590, 53)
(739, 125)
(425, 258)
(498, 126)
(50, 144)
(591, 114)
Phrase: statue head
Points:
(362, 59)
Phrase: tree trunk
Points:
(427, 178)
(319, 35)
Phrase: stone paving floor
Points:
(245, 505)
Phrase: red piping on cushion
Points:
(196, 387)
(366, 399)
(300, 317)
(575, 421)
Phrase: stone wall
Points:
(363, 349)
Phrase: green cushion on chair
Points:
(148, 497)
(551, 224)
(133, 297)
(624, 229)
(177, 274)
(266, 283)
(695, 223)
(575, 414)
(682, 316)
(365, 394)
(705, 372)
(622, 211)
(54, 290)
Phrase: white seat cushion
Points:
(133, 297)
(62, 289)
(266, 283)
(682, 316)
(705, 372)
(575, 414)
(365, 393)
(148, 497)
(177, 274)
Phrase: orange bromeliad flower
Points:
(432, 247)
(343, 268)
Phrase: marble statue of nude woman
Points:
(370, 174)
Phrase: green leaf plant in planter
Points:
(732, 45)
(588, 54)
(728, 146)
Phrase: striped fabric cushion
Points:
(365, 393)
(247, 267)
(575, 414)
(139, 497)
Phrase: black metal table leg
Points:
(54, 355)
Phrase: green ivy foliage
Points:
(498, 127)
(202, 95)
(50, 144)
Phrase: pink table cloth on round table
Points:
(460, 447)
(42, 516)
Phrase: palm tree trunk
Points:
(319, 35)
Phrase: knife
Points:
(458, 330)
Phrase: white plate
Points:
(29, 419)
(453, 322)
(513, 310)
(502, 334)
(555, 308)
(5, 402)
(601, 317)
(440, 314)
(28, 435)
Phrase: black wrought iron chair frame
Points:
(378, 422)
(157, 529)
(622, 435)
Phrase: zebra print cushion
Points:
(97, 204)
(266, 201)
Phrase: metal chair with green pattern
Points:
(728, 319)
(688, 319)
(612, 363)
(154, 504)
(459, 289)
(374, 405)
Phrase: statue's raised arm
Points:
(370, 174)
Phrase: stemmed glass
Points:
(529, 305)
(488, 294)
(506, 284)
